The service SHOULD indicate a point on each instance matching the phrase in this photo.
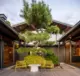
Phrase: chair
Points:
(20, 64)
(49, 64)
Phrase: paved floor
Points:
(64, 70)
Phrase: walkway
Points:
(64, 70)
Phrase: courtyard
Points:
(64, 70)
(39, 45)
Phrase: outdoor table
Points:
(34, 67)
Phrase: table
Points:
(34, 67)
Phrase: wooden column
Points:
(58, 50)
(70, 52)
(64, 51)
(1, 54)
(13, 52)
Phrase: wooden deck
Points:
(64, 70)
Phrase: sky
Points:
(67, 11)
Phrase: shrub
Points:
(35, 59)
(52, 57)
(47, 53)
(33, 50)
(22, 50)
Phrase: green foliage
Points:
(42, 50)
(21, 36)
(53, 29)
(42, 36)
(50, 56)
(35, 59)
(22, 50)
(8, 22)
(37, 14)
(29, 36)
(33, 50)
(56, 29)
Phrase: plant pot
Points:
(56, 65)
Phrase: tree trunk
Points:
(56, 38)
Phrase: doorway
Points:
(8, 55)
(67, 53)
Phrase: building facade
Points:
(63, 27)
(7, 37)
(71, 43)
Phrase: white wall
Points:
(53, 37)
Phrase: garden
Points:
(37, 15)
(42, 56)
(36, 54)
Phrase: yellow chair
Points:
(20, 64)
(49, 64)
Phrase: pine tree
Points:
(36, 14)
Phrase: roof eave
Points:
(62, 23)
(8, 26)
(72, 29)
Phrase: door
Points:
(67, 53)
(8, 55)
